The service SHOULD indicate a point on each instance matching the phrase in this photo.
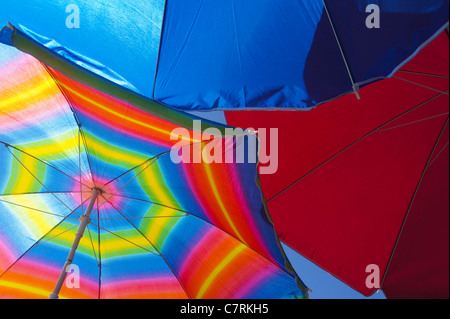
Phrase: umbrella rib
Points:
(265, 258)
(113, 233)
(352, 144)
(414, 122)
(38, 180)
(131, 169)
(88, 154)
(145, 217)
(146, 201)
(440, 152)
(154, 247)
(161, 154)
(421, 85)
(35, 209)
(39, 193)
(39, 160)
(77, 120)
(35, 244)
(92, 244)
(412, 201)
(158, 57)
(79, 167)
(354, 86)
(423, 73)
(44, 241)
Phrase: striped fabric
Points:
(158, 230)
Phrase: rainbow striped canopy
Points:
(158, 230)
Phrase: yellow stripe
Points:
(24, 182)
(157, 229)
(121, 115)
(28, 96)
(123, 157)
(155, 186)
(36, 222)
(26, 288)
(231, 256)
(220, 202)
(152, 181)
(66, 143)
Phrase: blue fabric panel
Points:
(405, 26)
(5, 36)
(237, 54)
(116, 39)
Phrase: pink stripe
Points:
(162, 286)
(198, 249)
(6, 256)
(33, 114)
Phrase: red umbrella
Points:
(363, 185)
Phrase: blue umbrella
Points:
(235, 54)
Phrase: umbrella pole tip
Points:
(356, 90)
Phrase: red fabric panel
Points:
(306, 139)
(422, 254)
(433, 59)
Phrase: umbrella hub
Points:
(97, 190)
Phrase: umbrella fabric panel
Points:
(432, 60)
(424, 240)
(386, 47)
(240, 54)
(25, 219)
(216, 265)
(223, 194)
(140, 280)
(236, 54)
(115, 39)
(33, 275)
(35, 116)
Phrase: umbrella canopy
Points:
(72, 155)
(364, 183)
(235, 54)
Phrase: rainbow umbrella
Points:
(93, 203)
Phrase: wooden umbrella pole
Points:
(84, 221)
